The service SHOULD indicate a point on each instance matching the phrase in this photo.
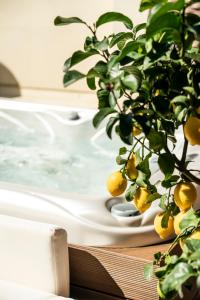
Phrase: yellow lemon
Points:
(163, 232)
(185, 195)
(177, 220)
(157, 93)
(136, 131)
(194, 236)
(141, 199)
(116, 184)
(131, 170)
(192, 130)
(198, 110)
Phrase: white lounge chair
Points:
(33, 259)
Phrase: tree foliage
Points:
(148, 77)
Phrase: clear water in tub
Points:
(37, 149)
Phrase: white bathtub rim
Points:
(103, 228)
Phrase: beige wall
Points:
(33, 50)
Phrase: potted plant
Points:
(148, 82)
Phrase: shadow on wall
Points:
(9, 86)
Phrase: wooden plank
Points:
(145, 252)
(86, 294)
(111, 272)
(115, 273)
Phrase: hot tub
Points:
(53, 169)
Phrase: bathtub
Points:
(53, 169)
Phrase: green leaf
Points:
(182, 114)
(91, 79)
(134, 71)
(190, 219)
(102, 45)
(130, 82)
(100, 116)
(180, 100)
(129, 48)
(122, 150)
(156, 140)
(121, 36)
(163, 201)
(59, 21)
(148, 271)
(126, 124)
(67, 65)
(100, 67)
(112, 97)
(192, 244)
(161, 10)
(109, 127)
(169, 22)
(144, 166)
(103, 96)
(141, 179)
(157, 256)
(153, 197)
(120, 160)
(140, 27)
(130, 192)
(171, 259)
(78, 57)
(148, 4)
(179, 275)
(114, 16)
(91, 83)
(166, 163)
(170, 181)
(71, 77)
(194, 56)
(165, 219)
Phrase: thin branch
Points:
(116, 101)
(185, 147)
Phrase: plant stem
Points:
(181, 168)
(185, 147)
(144, 145)
(116, 101)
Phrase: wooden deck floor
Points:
(114, 273)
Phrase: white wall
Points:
(34, 50)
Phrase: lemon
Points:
(194, 236)
(157, 93)
(185, 195)
(177, 220)
(136, 131)
(131, 170)
(116, 184)
(192, 130)
(161, 231)
(141, 199)
(198, 110)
